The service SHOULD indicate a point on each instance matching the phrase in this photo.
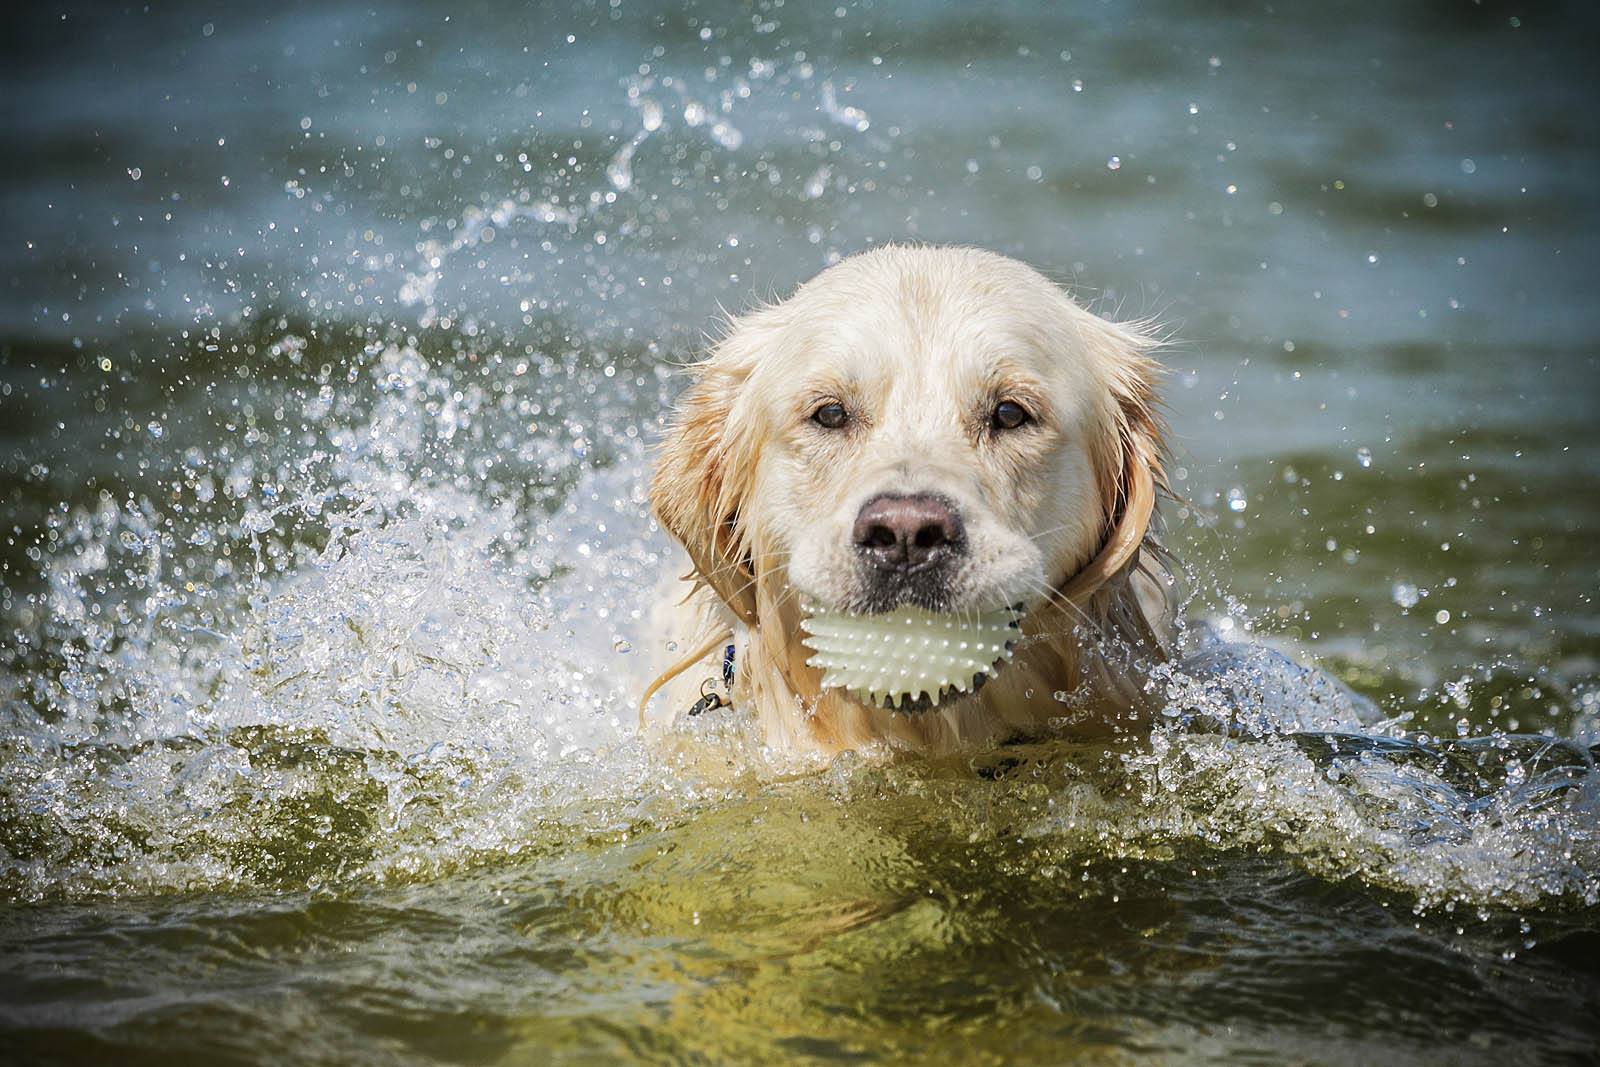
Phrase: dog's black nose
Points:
(907, 532)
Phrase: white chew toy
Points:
(895, 657)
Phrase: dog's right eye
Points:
(831, 416)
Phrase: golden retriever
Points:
(934, 426)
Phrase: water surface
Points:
(332, 343)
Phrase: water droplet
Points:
(257, 521)
(650, 115)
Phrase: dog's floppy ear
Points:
(702, 479)
(1129, 459)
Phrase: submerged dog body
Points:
(938, 428)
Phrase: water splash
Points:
(387, 615)
(845, 115)
(395, 629)
(412, 692)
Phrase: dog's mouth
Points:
(910, 660)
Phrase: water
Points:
(332, 342)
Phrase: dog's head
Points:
(940, 427)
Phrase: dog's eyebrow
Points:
(1005, 381)
(825, 387)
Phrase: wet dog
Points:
(935, 427)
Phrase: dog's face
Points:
(938, 427)
(925, 444)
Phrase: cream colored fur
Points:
(919, 343)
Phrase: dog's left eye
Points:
(1008, 415)
(831, 415)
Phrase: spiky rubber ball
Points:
(892, 659)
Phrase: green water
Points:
(1048, 911)
(332, 343)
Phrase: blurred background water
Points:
(332, 342)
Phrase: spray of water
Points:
(385, 619)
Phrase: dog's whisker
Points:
(1052, 530)
(1053, 597)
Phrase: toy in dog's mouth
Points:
(909, 659)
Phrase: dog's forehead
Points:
(916, 334)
